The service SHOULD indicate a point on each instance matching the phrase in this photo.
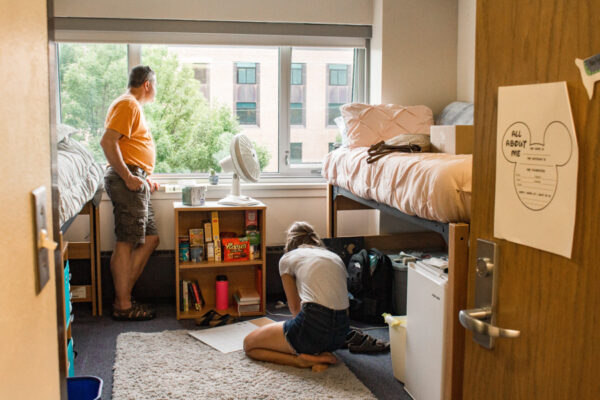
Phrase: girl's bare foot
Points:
(319, 367)
(323, 358)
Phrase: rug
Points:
(172, 365)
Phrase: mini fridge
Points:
(425, 305)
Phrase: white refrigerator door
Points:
(426, 294)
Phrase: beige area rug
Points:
(172, 365)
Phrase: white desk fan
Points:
(243, 162)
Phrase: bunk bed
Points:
(80, 188)
(429, 190)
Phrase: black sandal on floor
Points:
(222, 320)
(369, 345)
(137, 312)
(353, 337)
(205, 319)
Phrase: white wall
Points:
(284, 206)
(353, 12)
(465, 84)
(413, 58)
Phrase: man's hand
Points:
(154, 186)
(134, 183)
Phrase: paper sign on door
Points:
(536, 167)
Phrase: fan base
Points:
(232, 200)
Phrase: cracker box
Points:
(196, 237)
(217, 250)
(236, 249)
(208, 231)
(210, 251)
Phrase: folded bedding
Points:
(79, 178)
(434, 186)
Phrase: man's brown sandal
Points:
(137, 312)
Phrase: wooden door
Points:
(553, 301)
(29, 345)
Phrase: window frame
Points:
(286, 170)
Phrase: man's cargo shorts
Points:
(134, 216)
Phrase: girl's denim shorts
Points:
(316, 329)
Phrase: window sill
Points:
(259, 190)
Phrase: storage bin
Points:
(398, 286)
(84, 388)
(397, 327)
(70, 358)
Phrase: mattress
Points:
(433, 186)
(80, 178)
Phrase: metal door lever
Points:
(45, 242)
(471, 319)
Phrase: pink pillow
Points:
(369, 124)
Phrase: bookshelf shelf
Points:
(221, 264)
(240, 274)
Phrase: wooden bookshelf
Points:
(240, 274)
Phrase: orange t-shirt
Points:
(125, 116)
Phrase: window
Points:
(297, 94)
(297, 74)
(246, 93)
(246, 73)
(339, 90)
(91, 76)
(208, 93)
(331, 146)
(333, 111)
(246, 113)
(296, 114)
(338, 75)
(295, 153)
(202, 75)
(311, 67)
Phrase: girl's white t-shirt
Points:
(321, 276)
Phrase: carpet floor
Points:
(95, 341)
(173, 365)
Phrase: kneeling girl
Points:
(314, 280)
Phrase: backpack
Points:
(369, 285)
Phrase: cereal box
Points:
(215, 225)
(236, 249)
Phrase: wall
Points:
(28, 342)
(353, 12)
(285, 204)
(413, 52)
(465, 65)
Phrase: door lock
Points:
(481, 319)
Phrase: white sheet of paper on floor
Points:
(228, 338)
(536, 167)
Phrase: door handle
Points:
(45, 242)
(472, 320)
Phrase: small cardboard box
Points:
(208, 232)
(236, 249)
(452, 139)
(196, 237)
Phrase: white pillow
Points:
(63, 131)
(369, 124)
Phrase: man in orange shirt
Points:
(129, 149)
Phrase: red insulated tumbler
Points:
(222, 293)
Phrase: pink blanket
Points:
(434, 186)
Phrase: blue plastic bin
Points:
(84, 388)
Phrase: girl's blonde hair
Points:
(302, 233)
